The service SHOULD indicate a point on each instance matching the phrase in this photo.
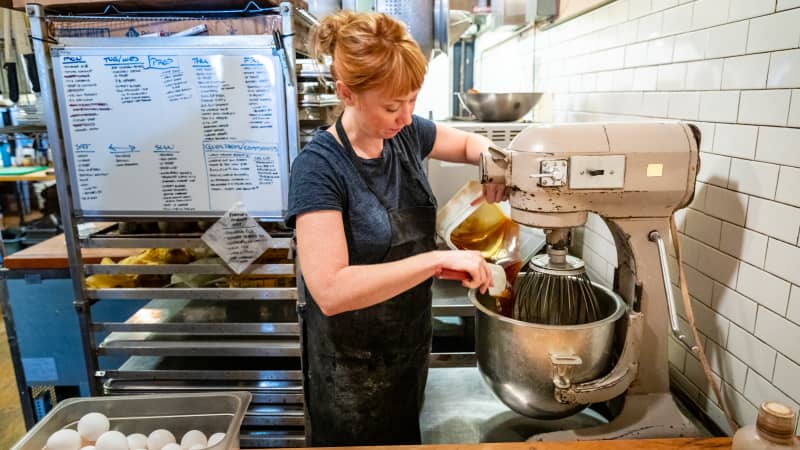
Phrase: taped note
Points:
(237, 238)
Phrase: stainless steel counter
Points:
(460, 408)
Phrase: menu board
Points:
(153, 128)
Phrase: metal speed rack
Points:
(181, 339)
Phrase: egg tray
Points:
(208, 412)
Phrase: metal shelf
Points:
(159, 241)
(193, 293)
(271, 416)
(287, 270)
(201, 368)
(264, 392)
(274, 318)
(159, 344)
(272, 439)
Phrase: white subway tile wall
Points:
(764, 107)
(794, 109)
(732, 67)
(746, 72)
(784, 69)
(789, 186)
(744, 244)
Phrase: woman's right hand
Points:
(468, 261)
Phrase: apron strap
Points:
(351, 153)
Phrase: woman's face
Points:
(382, 116)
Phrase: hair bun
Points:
(324, 37)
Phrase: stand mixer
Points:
(635, 176)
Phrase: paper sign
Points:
(237, 238)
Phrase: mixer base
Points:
(644, 416)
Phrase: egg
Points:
(172, 446)
(112, 440)
(92, 425)
(192, 438)
(215, 439)
(64, 440)
(137, 441)
(88, 447)
(159, 438)
(197, 447)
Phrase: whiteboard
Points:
(158, 127)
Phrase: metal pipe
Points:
(654, 236)
(307, 17)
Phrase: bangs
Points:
(403, 72)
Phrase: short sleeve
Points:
(313, 186)
(426, 133)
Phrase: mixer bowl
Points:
(497, 107)
(514, 356)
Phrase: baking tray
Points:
(178, 413)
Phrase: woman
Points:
(365, 222)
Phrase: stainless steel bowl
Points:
(514, 356)
(497, 107)
(210, 412)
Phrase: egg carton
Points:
(178, 413)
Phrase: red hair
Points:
(370, 50)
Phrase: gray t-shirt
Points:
(323, 178)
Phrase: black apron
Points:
(364, 371)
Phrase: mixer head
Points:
(558, 173)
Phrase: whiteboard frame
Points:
(196, 45)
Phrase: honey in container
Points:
(488, 230)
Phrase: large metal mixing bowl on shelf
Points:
(514, 357)
(499, 107)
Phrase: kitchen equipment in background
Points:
(10, 57)
(316, 97)
(427, 20)
(20, 31)
(458, 22)
(513, 13)
(635, 176)
(178, 413)
(499, 107)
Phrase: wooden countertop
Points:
(52, 254)
(639, 444)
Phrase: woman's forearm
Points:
(357, 287)
(476, 144)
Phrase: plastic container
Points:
(773, 430)
(486, 227)
(178, 413)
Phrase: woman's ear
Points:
(345, 94)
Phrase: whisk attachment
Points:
(555, 290)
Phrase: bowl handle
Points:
(618, 380)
